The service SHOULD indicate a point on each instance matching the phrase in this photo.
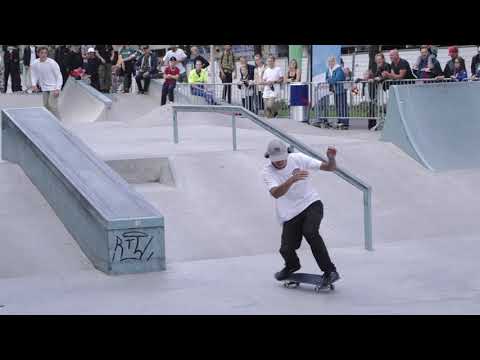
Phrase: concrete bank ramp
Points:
(436, 124)
(81, 103)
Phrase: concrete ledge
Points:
(118, 230)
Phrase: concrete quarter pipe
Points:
(436, 124)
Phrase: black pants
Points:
(248, 102)
(146, 81)
(227, 89)
(14, 72)
(260, 104)
(341, 106)
(306, 224)
(128, 73)
(167, 89)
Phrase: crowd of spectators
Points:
(112, 68)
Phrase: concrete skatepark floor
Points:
(221, 234)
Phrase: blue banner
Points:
(320, 55)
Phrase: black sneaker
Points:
(330, 278)
(286, 272)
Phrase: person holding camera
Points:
(298, 206)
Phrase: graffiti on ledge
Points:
(132, 245)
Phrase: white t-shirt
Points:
(301, 194)
(179, 55)
(272, 75)
(46, 74)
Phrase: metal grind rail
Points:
(295, 143)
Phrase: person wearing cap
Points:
(91, 69)
(298, 206)
(46, 76)
(147, 65)
(170, 75)
(449, 70)
(180, 56)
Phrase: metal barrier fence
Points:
(364, 99)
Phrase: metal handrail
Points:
(295, 143)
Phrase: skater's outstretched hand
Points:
(331, 152)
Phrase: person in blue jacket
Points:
(335, 77)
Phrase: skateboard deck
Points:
(294, 281)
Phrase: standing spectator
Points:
(427, 65)
(375, 81)
(46, 75)
(335, 77)
(346, 71)
(258, 76)
(399, 68)
(171, 75)
(29, 56)
(75, 62)
(293, 74)
(127, 57)
(475, 66)
(62, 54)
(93, 63)
(449, 70)
(227, 71)
(147, 65)
(246, 85)
(197, 78)
(11, 60)
(459, 71)
(194, 56)
(180, 55)
(272, 78)
(105, 54)
(116, 71)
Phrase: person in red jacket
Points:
(171, 75)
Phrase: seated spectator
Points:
(197, 78)
(427, 65)
(476, 64)
(272, 78)
(93, 62)
(459, 71)
(449, 70)
(293, 73)
(246, 85)
(147, 69)
(171, 75)
(399, 68)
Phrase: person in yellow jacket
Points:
(197, 78)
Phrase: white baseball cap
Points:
(91, 50)
(277, 150)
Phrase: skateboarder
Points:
(298, 205)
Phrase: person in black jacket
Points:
(93, 62)
(476, 63)
(11, 60)
(75, 60)
(29, 56)
(449, 70)
(62, 53)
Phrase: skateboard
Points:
(294, 281)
